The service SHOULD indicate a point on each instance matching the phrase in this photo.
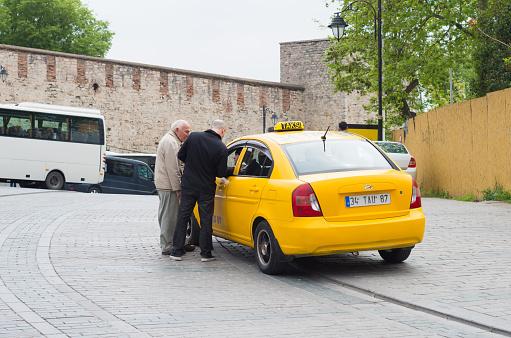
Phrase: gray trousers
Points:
(167, 217)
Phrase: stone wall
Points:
(140, 101)
(301, 62)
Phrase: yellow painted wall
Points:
(463, 148)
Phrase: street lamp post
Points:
(274, 118)
(338, 27)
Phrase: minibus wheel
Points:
(54, 181)
(395, 255)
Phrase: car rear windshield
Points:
(335, 155)
(394, 148)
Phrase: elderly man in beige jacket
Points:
(167, 178)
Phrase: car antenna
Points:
(323, 138)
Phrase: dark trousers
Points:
(206, 203)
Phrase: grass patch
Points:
(497, 193)
(437, 193)
(466, 198)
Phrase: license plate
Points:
(366, 200)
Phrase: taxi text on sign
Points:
(290, 125)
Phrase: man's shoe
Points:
(189, 247)
(208, 258)
(176, 258)
(165, 253)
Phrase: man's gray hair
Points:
(218, 124)
(177, 124)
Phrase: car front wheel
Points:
(192, 232)
(395, 255)
(268, 254)
(95, 190)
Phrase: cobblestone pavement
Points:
(76, 264)
(462, 268)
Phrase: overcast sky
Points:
(230, 37)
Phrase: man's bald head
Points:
(219, 127)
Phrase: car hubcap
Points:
(188, 236)
(264, 247)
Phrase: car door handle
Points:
(254, 189)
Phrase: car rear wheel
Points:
(54, 181)
(395, 255)
(95, 190)
(268, 254)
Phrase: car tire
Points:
(192, 232)
(395, 255)
(94, 190)
(54, 181)
(269, 256)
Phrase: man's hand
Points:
(178, 194)
(224, 181)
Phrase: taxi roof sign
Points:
(289, 125)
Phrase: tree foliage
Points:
(492, 57)
(423, 40)
(58, 25)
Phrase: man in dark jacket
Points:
(205, 158)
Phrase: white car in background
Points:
(400, 155)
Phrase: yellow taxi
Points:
(293, 193)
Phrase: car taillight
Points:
(305, 203)
(412, 163)
(416, 196)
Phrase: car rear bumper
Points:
(315, 236)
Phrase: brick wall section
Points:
(301, 62)
(109, 75)
(263, 96)
(189, 87)
(51, 73)
(164, 84)
(215, 96)
(22, 65)
(80, 72)
(240, 95)
(137, 119)
(286, 103)
(136, 78)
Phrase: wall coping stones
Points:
(154, 67)
(302, 41)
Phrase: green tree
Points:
(423, 40)
(492, 55)
(58, 25)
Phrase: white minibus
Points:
(51, 144)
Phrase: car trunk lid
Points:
(402, 160)
(375, 187)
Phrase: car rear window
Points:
(395, 148)
(336, 155)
